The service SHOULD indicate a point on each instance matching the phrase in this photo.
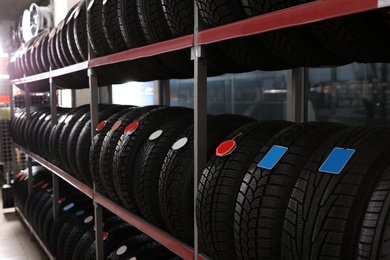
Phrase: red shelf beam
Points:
(145, 51)
(167, 240)
(68, 178)
(160, 236)
(294, 16)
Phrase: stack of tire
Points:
(71, 234)
(117, 25)
(143, 159)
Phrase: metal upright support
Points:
(93, 86)
(109, 94)
(27, 102)
(12, 111)
(73, 96)
(200, 117)
(55, 178)
(161, 92)
(297, 95)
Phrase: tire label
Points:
(116, 125)
(336, 160)
(272, 157)
(88, 219)
(90, 5)
(68, 207)
(155, 135)
(226, 148)
(131, 128)
(101, 125)
(383, 3)
(121, 250)
(180, 143)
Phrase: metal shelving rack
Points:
(296, 98)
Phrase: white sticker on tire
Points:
(88, 219)
(155, 135)
(383, 3)
(180, 143)
(121, 250)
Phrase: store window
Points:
(259, 94)
(133, 93)
(354, 94)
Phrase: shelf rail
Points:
(157, 234)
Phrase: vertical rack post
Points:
(94, 110)
(53, 112)
(93, 86)
(12, 111)
(297, 95)
(27, 102)
(200, 116)
(161, 92)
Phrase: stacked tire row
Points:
(71, 235)
(118, 25)
(142, 158)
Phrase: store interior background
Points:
(353, 94)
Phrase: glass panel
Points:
(133, 93)
(354, 94)
(259, 94)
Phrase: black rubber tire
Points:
(97, 39)
(76, 234)
(32, 214)
(80, 30)
(62, 42)
(87, 240)
(55, 135)
(180, 18)
(264, 194)
(362, 37)
(34, 131)
(155, 28)
(125, 249)
(83, 144)
(54, 61)
(70, 209)
(295, 45)
(57, 45)
(176, 181)
(106, 157)
(220, 183)
(324, 210)
(42, 54)
(96, 147)
(49, 220)
(27, 206)
(114, 236)
(149, 161)
(375, 227)
(126, 33)
(128, 148)
(76, 219)
(75, 34)
(61, 149)
(79, 153)
(252, 51)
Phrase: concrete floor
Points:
(15, 241)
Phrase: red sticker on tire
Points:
(226, 148)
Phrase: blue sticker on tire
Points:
(272, 157)
(336, 160)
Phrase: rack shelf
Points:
(51, 257)
(299, 15)
(294, 16)
(157, 234)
